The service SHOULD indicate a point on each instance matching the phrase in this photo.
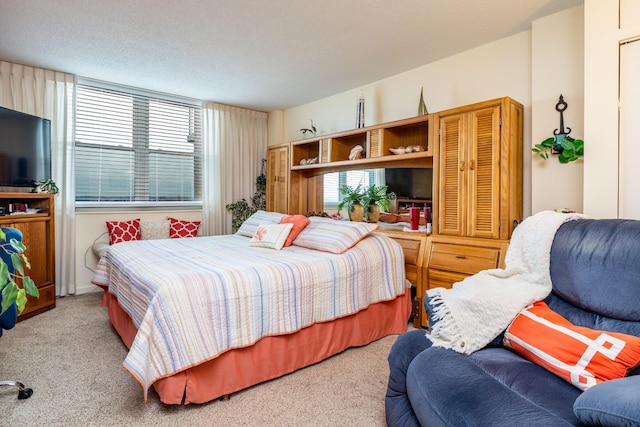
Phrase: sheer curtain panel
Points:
(235, 142)
(50, 94)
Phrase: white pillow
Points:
(271, 236)
(249, 227)
(155, 230)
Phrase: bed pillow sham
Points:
(271, 236)
(123, 231)
(330, 235)
(250, 226)
(582, 356)
(299, 223)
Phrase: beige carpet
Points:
(72, 358)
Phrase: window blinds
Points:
(333, 181)
(136, 147)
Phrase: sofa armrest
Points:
(611, 403)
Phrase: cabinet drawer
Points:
(443, 279)
(462, 258)
(45, 301)
(410, 248)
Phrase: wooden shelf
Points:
(332, 151)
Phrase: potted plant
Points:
(11, 291)
(241, 210)
(352, 201)
(568, 149)
(376, 198)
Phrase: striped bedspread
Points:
(193, 299)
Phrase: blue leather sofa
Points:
(595, 273)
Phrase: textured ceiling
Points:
(260, 54)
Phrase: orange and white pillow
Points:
(582, 356)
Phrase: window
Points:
(333, 182)
(136, 148)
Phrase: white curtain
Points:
(235, 143)
(50, 94)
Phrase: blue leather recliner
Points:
(9, 318)
(595, 274)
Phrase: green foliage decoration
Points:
(378, 195)
(11, 291)
(572, 149)
(241, 209)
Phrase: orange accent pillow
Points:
(582, 356)
(299, 223)
(123, 231)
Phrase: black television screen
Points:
(416, 183)
(25, 149)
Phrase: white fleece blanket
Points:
(476, 310)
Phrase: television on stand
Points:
(25, 150)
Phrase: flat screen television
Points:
(415, 183)
(25, 149)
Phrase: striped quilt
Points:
(193, 299)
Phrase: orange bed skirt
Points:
(273, 356)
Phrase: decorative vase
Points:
(356, 214)
(360, 111)
(373, 213)
(422, 107)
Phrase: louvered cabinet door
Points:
(277, 173)
(452, 175)
(483, 213)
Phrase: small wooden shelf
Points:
(332, 151)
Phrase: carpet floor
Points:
(72, 358)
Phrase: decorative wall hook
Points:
(560, 135)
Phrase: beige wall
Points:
(498, 69)
(557, 68)
(518, 66)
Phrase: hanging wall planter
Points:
(567, 148)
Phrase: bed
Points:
(208, 316)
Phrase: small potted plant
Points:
(352, 201)
(376, 198)
(567, 148)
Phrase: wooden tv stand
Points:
(39, 238)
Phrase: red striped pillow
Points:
(582, 356)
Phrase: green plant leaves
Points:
(11, 292)
(572, 149)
